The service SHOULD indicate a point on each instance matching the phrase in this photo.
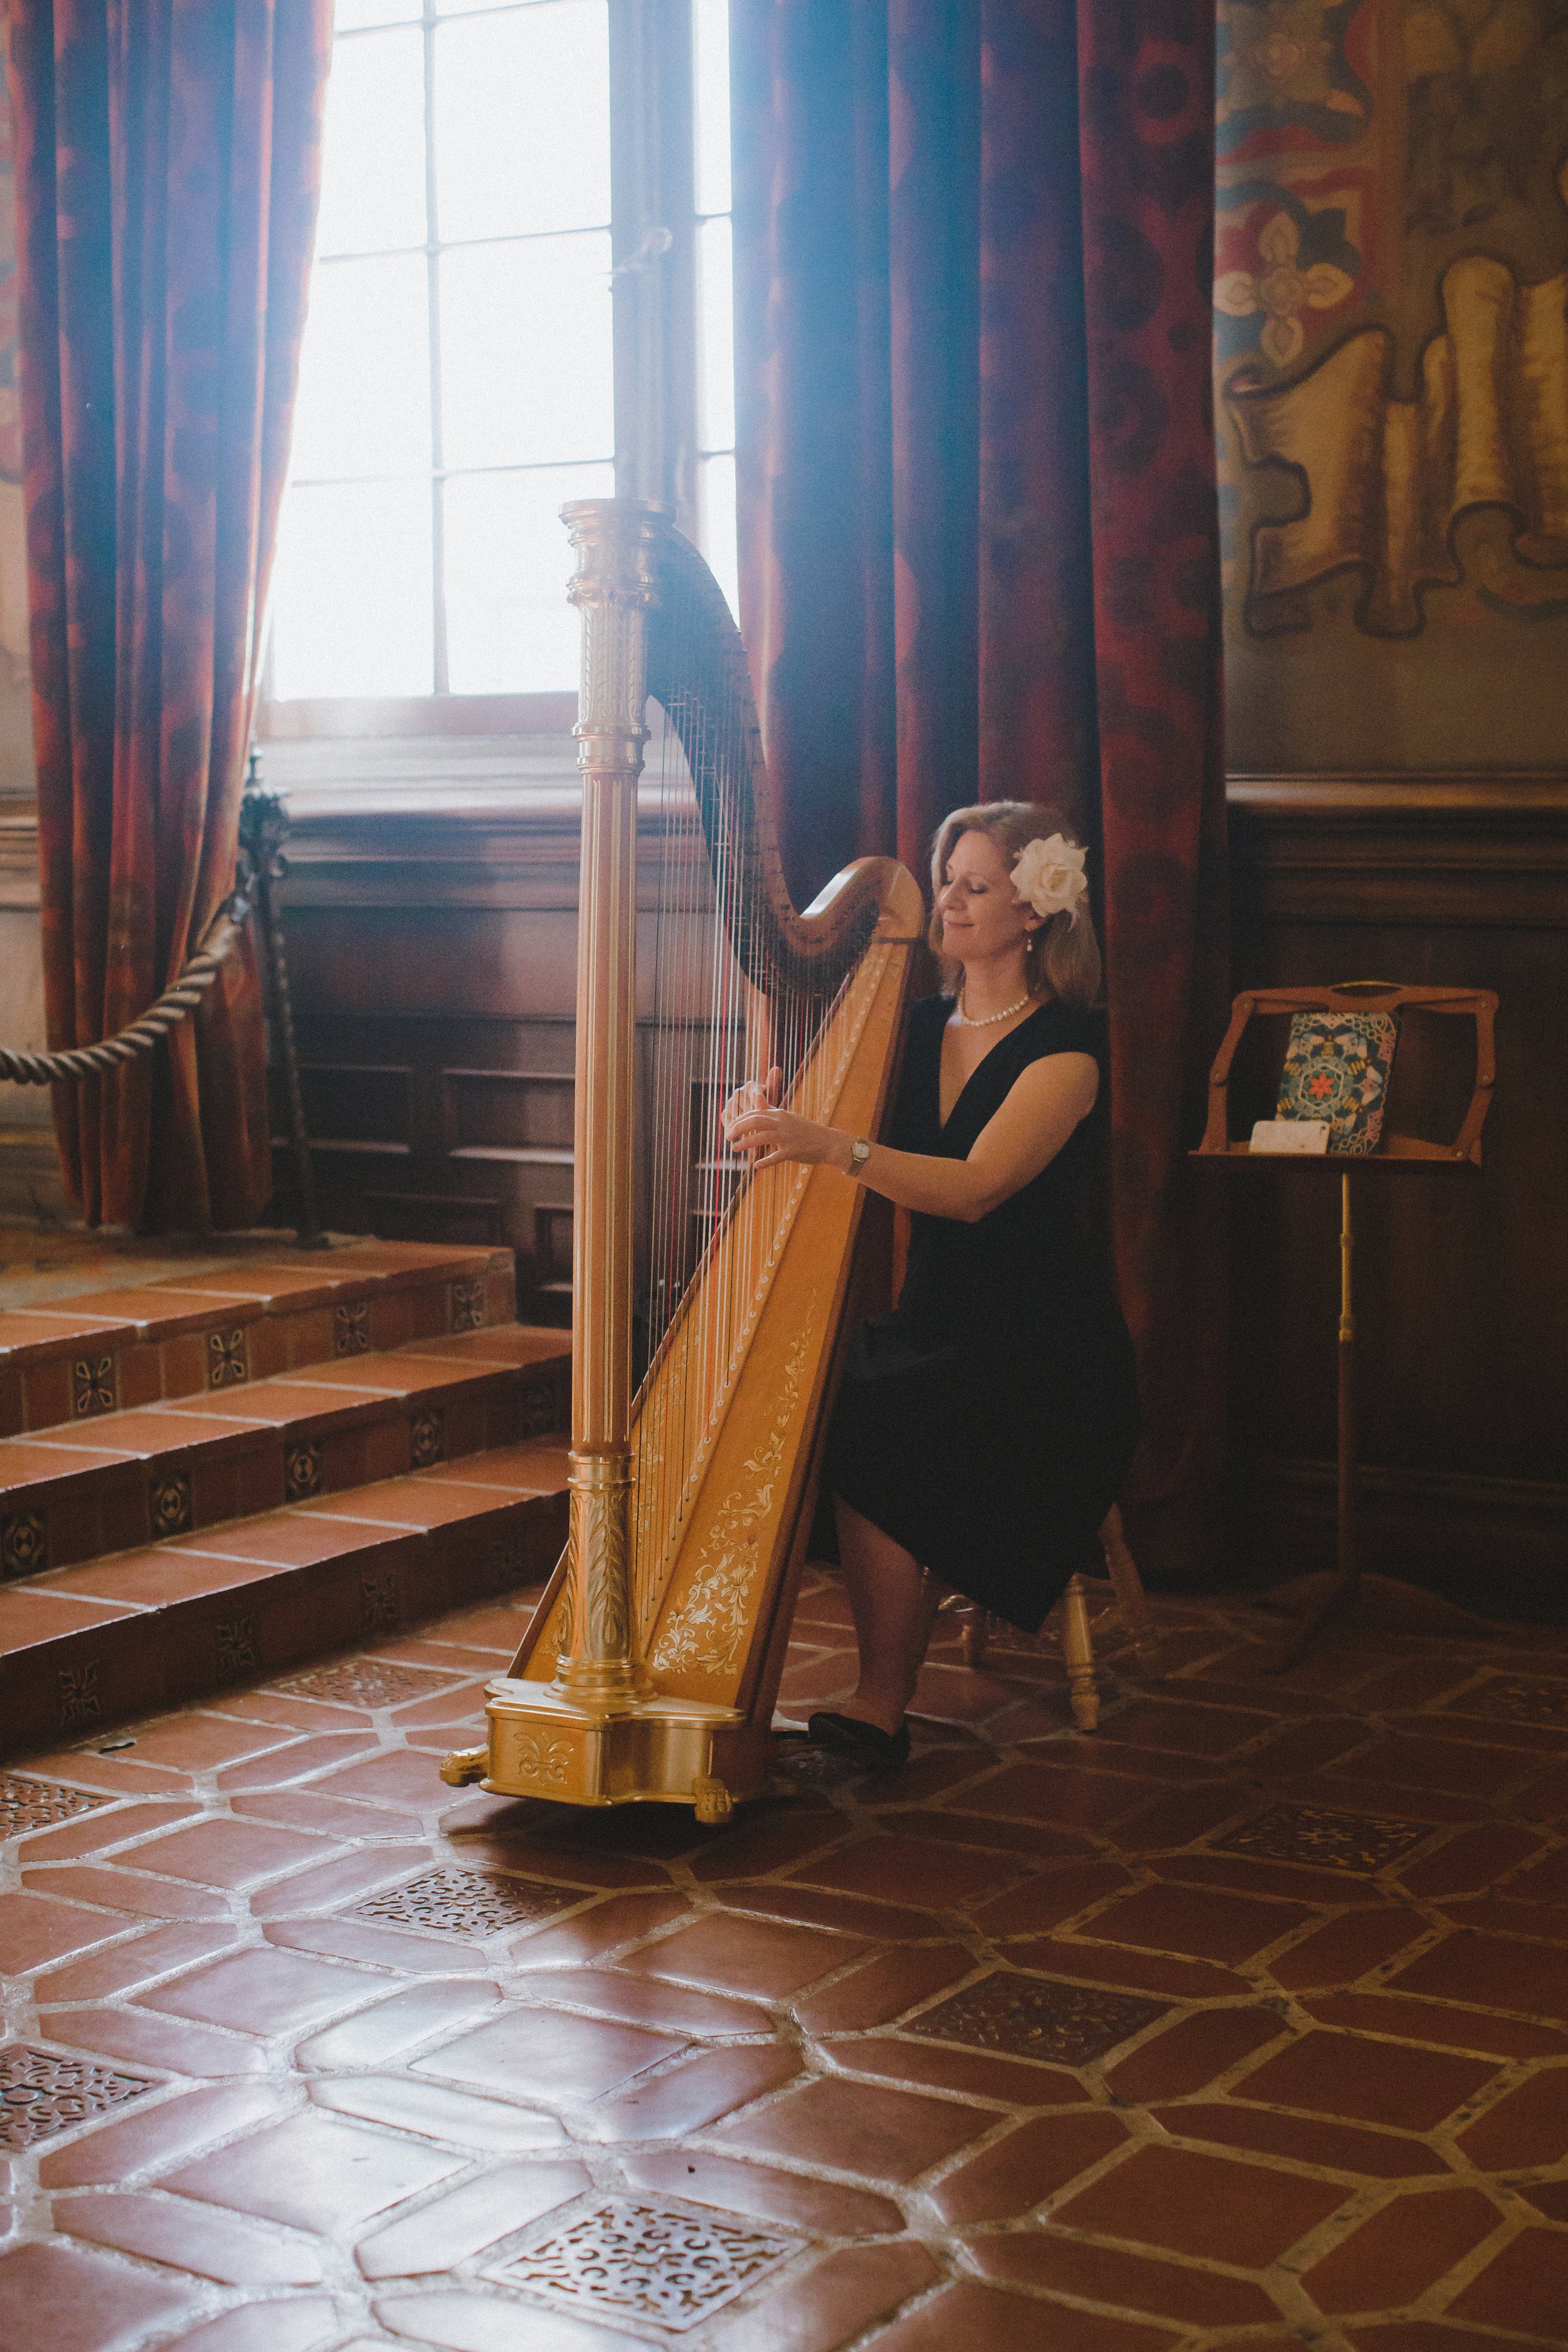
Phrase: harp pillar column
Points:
(613, 588)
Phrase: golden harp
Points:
(708, 1299)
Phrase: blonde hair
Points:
(1063, 955)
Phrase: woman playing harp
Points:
(984, 1427)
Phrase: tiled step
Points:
(261, 1312)
(80, 1489)
(84, 1648)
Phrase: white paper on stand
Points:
(1290, 1135)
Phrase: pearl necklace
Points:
(989, 1020)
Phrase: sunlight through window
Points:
(715, 295)
(461, 375)
(458, 380)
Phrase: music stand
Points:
(1397, 1154)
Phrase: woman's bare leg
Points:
(894, 1604)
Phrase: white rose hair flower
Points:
(1048, 876)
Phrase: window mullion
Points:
(433, 301)
(678, 316)
(638, 389)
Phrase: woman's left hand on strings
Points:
(767, 1135)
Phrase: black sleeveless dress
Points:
(988, 1422)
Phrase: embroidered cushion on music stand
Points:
(1336, 1067)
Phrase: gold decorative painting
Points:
(1391, 305)
(1384, 482)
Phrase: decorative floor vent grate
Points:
(1505, 1700)
(42, 2093)
(1358, 1843)
(650, 2262)
(27, 1804)
(367, 1682)
(1035, 2017)
(466, 1903)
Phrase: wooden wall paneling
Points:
(512, 1116)
(435, 928)
(480, 1144)
(468, 1220)
(553, 1255)
(441, 941)
(364, 1107)
(1462, 1288)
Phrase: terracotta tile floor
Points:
(1243, 2023)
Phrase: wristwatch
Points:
(859, 1152)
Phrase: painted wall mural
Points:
(1391, 310)
(1391, 478)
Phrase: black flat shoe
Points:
(845, 1735)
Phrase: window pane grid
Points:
(715, 337)
(715, 460)
(711, 105)
(444, 146)
(432, 246)
(355, 17)
(468, 154)
(440, 651)
(450, 473)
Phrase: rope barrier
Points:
(166, 1012)
(263, 830)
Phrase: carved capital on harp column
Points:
(615, 539)
(615, 583)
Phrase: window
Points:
(715, 308)
(521, 295)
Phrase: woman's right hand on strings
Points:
(756, 1094)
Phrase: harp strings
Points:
(708, 1025)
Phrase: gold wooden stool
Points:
(1078, 1646)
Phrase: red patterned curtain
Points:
(979, 548)
(167, 157)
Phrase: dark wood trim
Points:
(1455, 850)
(526, 856)
(1499, 1545)
(1382, 789)
(411, 716)
(19, 855)
(32, 1190)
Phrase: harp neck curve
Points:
(665, 631)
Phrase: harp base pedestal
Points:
(662, 1752)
